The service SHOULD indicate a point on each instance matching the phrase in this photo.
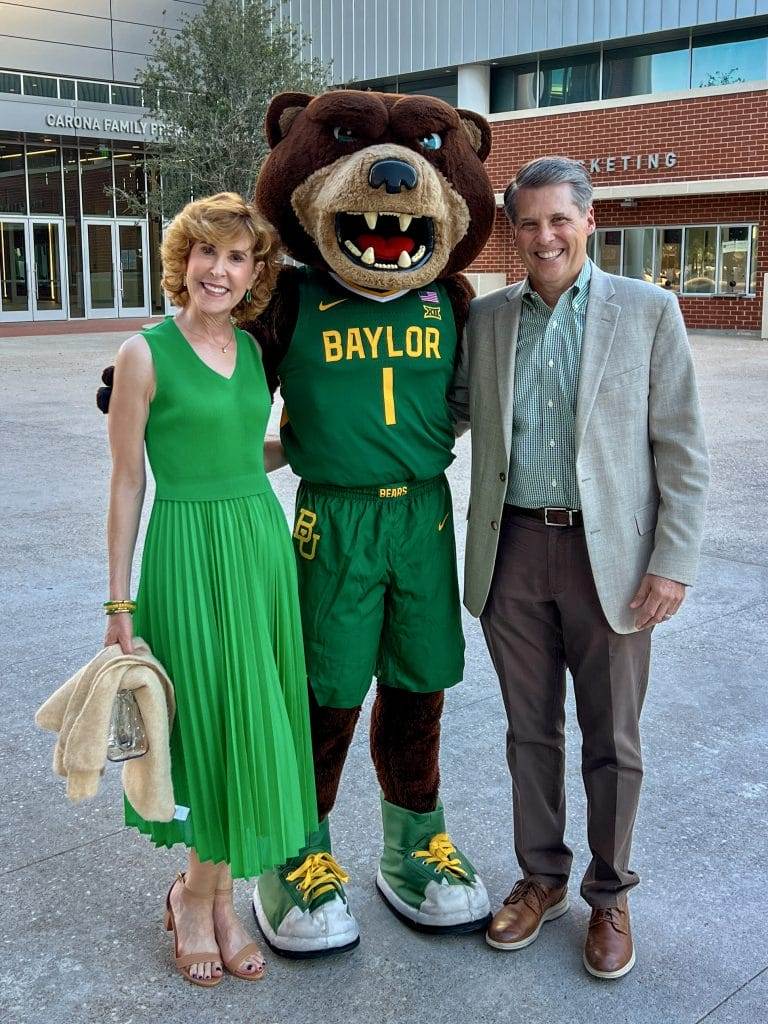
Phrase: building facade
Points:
(666, 104)
(73, 128)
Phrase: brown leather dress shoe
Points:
(609, 951)
(525, 910)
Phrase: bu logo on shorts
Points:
(302, 532)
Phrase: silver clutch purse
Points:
(127, 737)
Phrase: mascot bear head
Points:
(388, 192)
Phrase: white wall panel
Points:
(411, 36)
(55, 58)
(54, 26)
(149, 12)
(96, 8)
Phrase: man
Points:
(589, 476)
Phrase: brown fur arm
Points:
(461, 293)
(274, 328)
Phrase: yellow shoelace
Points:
(440, 853)
(318, 874)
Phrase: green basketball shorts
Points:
(378, 588)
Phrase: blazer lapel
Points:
(506, 320)
(599, 331)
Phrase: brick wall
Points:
(712, 136)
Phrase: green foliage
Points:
(210, 84)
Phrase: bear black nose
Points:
(395, 174)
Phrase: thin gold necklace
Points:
(205, 337)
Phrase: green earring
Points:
(249, 296)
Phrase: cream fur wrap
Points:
(80, 712)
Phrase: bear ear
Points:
(282, 112)
(478, 131)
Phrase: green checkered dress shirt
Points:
(542, 465)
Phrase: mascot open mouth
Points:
(385, 241)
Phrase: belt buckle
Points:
(553, 509)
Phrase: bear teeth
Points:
(405, 221)
(371, 219)
(404, 260)
(369, 256)
(352, 248)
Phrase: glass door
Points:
(49, 300)
(117, 282)
(133, 269)
(100, 288)
(15, 298)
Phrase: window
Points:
(34, 85)
(126, 95)
(10, 83)
(13, 190)
(694, 260)
(96, 178)
(66, 89)
(443, 87)
(608, 250)
(735, 244)
(514, 88)
(700, 260)
(44, 172)
(729, 57)
(637, 70)
(92, 92)
(570, 80)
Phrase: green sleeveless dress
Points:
(218, 605)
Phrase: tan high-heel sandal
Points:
(233, 965)
(183, 962)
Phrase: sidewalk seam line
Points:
(61, 853)
(735, 992)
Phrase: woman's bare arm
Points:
(132, 393)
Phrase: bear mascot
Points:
(382, 199)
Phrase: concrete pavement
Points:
(82, 896)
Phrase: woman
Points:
(217, 599)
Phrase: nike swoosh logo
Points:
(445, 520)
(328, 305)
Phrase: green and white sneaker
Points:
(424, 880)
(301, 908)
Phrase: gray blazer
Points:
(641, 458)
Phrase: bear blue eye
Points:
(342, 134)
(433, 141)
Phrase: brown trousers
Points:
(543, 615)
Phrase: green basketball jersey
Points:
(364, 385)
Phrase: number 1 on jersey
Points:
(388, 385)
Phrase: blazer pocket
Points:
(625, 379)
(645, 518)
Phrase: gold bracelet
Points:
(117, 607)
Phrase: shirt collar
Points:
(579, 290)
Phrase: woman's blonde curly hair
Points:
(218, 220)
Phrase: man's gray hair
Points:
(551, 170)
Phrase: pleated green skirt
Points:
(218, 605)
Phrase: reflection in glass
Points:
(92, 92)
(74, 234)
(700, 257)
(514, 88)
(638, 253)
(14, 293)
(636, 70)
(129, 178)
(45, 246)
(126, 95)
(608, 251)
(13, 191)
(669, 243)
(753, 262)
(155, 269)
(96, 171)
(728, 58)
(66, 89)
(734, 255)
(576, 80)
(10, 82)
(131, 266)
(100, 268)
(44, 170)
(443, 87)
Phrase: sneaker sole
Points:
(299, 954)
(549, 915)
(464, 928)
(608, 975)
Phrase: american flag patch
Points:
(429, 297)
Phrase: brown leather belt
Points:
(550, 516)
